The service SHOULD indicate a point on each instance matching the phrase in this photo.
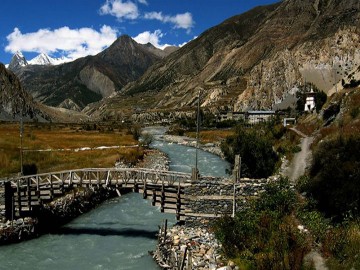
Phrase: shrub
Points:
(258, 156)
(335, 173)
(30, 169)
(264, 235)
(342, 245)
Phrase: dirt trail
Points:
(296, 169)
(301, 159)
(314, 258)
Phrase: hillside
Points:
(15, 101)
(254, 60)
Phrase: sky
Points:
(76, 28)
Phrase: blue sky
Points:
(76, 28)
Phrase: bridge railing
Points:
(101, 176)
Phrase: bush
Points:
(335, 173)
(30, 169)
(342, 245)
(264, 235)
(258, 156)
(146, 140)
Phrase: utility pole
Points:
(196, 170)
(21, 144)
(236, 176)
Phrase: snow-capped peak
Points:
(41, 59)
(17, 61)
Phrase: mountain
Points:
(254, 60)
(15, 101)
(44, 59)
(92, 78)
(17, 61)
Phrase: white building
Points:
(310, 101)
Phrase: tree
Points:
(255, 148)
(335, 177)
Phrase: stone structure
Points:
(213, 197)
(310, 101)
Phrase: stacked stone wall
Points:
(213, 197)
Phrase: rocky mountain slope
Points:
(254, 60)
(74, 85)
(15, 101)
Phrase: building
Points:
(310, 101)
(235, 116)
(254, 117)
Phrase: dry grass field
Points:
(64, 142)
(211, 136)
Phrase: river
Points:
(116, 235)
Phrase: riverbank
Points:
(49, 217)
(187, 247)
(213, 148)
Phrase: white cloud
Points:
(120, 9)
(144, 2)
(186, 42)
(184, 21)
(71, 43)
(154, 38)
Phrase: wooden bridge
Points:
(164, 188)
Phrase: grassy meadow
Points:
(71, 137)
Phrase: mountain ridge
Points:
(255, 60)
(90, 78)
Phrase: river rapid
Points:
(116, 235)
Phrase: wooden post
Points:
(183, 259)
(236, 176)
(194, 174)
(29, 193)
(162, 199)
(51, 188)
(189, 260)
(153, 201)
(18, 189)
(38, 188)
(165, 230)
(178, 203)
(9, 204)
(144, 193)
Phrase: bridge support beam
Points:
(153, 201)
(9, 201)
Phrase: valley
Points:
(274, 92)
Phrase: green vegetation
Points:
(264, 235)
(335, 177)
(256, 144)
